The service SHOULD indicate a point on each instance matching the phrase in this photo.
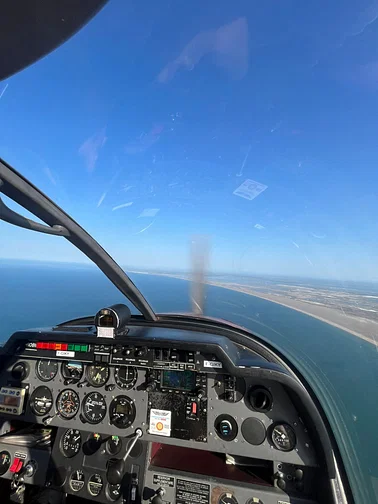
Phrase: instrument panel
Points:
(97, 395)
(177, 395)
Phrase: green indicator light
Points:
(84, 348)
(71, 347)
(77, 348)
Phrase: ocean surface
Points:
(341, 368)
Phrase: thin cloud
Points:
(90, 149)
(49, 175)
(3, 90)
(103, 196)
(228, 44)
(124, 205)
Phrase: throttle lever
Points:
(116, 467)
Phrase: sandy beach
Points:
(358, 326)
(363, 328)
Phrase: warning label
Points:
(191, 492)
(160, 422)
(162, 480)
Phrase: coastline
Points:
(296, 305)
(320, 312)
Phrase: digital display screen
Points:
(7, 400)
(122, 409)
(179, 380)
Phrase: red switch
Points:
(194, 408)
(17, 465)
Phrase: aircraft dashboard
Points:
(161, 416)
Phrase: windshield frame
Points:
(20, 190)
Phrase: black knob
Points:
(141, 352)
(158, 497)
(299, 486)
(281, 483)
(150, 385)
(115, 471)
(157, 500)
(230, 397)
(201, 393)
(298, 475)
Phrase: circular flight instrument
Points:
(113, 492)
(41, 400)
(72, 370)
(122, 412)
(68, 403)
(94, 407)
(114, 445)
(95, 485)
(97, 374)
(125, 377)
(283, 437)
(70, 443)
(5, 461)
(227, 498)
(46, 369)
(77, 480)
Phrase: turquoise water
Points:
(341, 367)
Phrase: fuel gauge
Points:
(5, 460)
(77, 480)
(283, 437)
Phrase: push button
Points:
(194, 408)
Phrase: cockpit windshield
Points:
(231, 143)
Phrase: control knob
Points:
(158, 497)
(150, 385)
(201, 393)
(141, 352)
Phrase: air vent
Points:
(260, 399)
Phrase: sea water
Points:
(341, 367)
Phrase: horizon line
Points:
(136, 270)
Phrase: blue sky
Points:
(144, 124)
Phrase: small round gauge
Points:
(68, 403)
(114, 445)
(283, 437)
(94, 407)
(46, 369)
(72, 370)
(227, 498)
(95, 485)
(122, 412)
(97, 374)
(125, 377)
(70, 443)
(20, 371)
(113, 492)
(5, 461)
(77, 480)
(41, 400)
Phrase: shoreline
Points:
(283, 303)
(293, 305)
